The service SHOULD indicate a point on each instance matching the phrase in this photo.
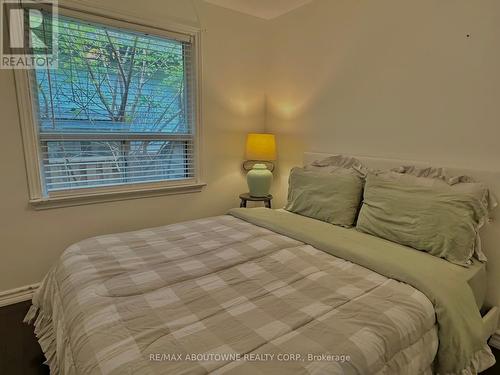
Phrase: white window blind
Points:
(119, 108)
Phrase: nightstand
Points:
(247, 197)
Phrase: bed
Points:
(258, 291)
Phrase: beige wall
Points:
(388, 78)
(233, 102)
(391, 78)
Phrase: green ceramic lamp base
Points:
(259, 180)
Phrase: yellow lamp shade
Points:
(261, 147)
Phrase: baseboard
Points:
(12, 296)
(495, 340)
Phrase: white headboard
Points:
(490, 234)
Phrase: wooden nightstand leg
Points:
(268, 203)
(243, 203)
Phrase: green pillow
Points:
(333, 197)
(426, 214)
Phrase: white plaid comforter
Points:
(221, 295)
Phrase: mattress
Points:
(224, 296)
(477, 280)
(475, 275)
(462, 345)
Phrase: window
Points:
(119, 113)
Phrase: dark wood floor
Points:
(20, 353)
(495, 370)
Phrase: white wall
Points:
(391, 78)
(405, 79)
(233, 103)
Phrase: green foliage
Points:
(129, 77)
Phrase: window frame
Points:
(32, 141)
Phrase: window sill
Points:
(83, 198)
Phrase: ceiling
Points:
(266, 9)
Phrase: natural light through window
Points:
(119, 109)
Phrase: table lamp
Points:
(260, 148)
